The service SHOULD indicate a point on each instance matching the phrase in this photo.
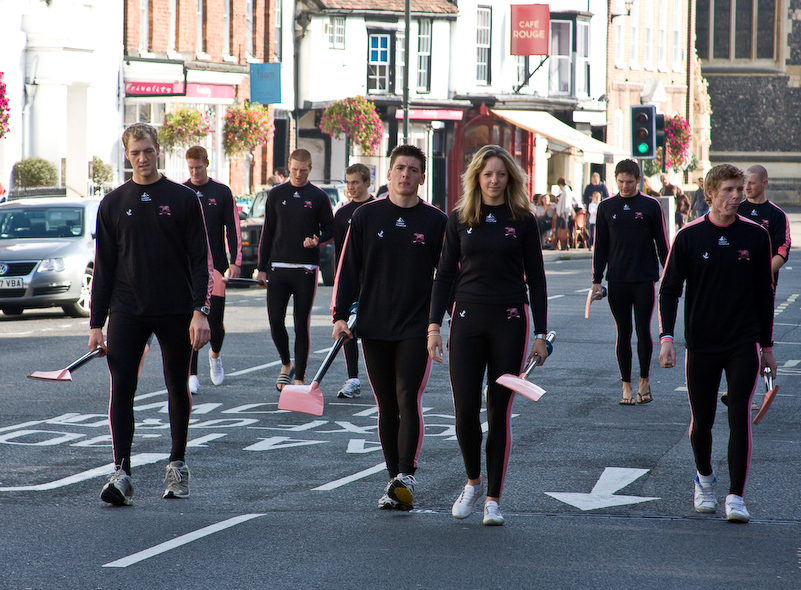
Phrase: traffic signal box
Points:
(643, 132)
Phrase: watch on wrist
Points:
(204, 310)
(542, 336)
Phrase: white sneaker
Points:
(216, 370)
(351, 388)
(119, 489)
(466, 502)
(704, 500)
(194, 383)
(735, 509)
(492, 514)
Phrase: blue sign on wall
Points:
(265, 83)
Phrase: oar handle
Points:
(83, 360)
(329, 358)
(533, 362)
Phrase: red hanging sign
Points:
(531, 25)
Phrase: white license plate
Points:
(11, 284)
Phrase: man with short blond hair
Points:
(297, 220)
(724, 261)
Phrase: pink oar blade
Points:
(769, 397)
(521, 386)
(307, 399)
(62, 375)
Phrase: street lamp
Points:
(627, 13)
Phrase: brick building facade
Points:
(197, 52)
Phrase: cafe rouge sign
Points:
(530, 29)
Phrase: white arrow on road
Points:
(603, 494)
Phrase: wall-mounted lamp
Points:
(627, 13)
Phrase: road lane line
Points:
(182, 540)
(136, 461)
(555, 297)
(257, 368)
(22, 425)
(351, 478)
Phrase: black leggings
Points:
(491, 337)
(217, 329)
(622, 298)
(127, 335)
(300, 283)
(703, 380)
(398, 371)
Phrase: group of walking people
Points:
(160, 266)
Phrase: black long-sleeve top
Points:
(492, 263)
(775, 222)
(630, 239)
(152, 255)
(222, 221)
(292, 214)
(729, 298)
(395, 250)
(342, 219)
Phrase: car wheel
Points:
(83, 307)
(12, 310)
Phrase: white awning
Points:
(595, 152)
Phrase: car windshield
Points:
(41, 222)
(259, 204)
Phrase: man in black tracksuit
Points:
(724, 259)
(222, 221)
(388, 265)
(152, 275)
(297, 221)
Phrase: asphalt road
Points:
(597, 495)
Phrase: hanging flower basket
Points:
(677, 148)
(4, 127)
(246, 126)
(357, 118)
(183, 127)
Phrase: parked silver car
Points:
(47, 254)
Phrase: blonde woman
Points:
(492, 258)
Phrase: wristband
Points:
(665, 338)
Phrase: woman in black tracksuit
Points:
(492, 252)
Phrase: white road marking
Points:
(603, 493)
(256, 368)
(182, 540)
(351, 478)
(359, 445)
(136, 461)
(792, 363)
(555, 297)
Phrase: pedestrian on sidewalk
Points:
(297, 220)
(222, 222)
(725, 262)
(630, 240)
(492, 263)
(152, 275)
(388, 265)
(357, 178)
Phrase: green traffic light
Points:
(642, 148)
